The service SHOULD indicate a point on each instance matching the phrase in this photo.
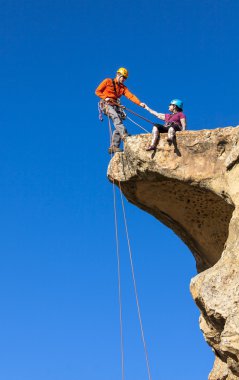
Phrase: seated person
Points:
(175, 121)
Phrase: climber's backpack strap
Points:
(113, 82)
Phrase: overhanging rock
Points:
(192, 187)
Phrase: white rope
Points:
(132, 271)
(135, 287)
(118, 271)
(137, 124)
(119, 287)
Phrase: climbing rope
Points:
(135, 286)
(136, 114)
(140, 126)
(118, 270)
(119, 276)
(119, 286)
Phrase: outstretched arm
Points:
(160, 116)
(132, 97)
(184, 124)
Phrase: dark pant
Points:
(164, 128)
(170, 129)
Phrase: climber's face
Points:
(121, 79)
(171, 107)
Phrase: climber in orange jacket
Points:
(110, 91)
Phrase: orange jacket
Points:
(106, 90)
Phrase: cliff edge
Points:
(192, 187)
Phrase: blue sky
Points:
(58, 270)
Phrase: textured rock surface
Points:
(192, 187)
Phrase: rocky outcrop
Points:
(192, 186)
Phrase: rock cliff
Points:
(192, 187)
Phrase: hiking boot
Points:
(114, 149)
(151, 147)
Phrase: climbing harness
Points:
(100, 111)
(119, 277)
(103, 110)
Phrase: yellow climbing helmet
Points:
(123, 72)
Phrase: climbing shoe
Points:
(114, 149)
(151, 147)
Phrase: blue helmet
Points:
(177, 102)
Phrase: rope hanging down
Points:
(133, 278)
(135, 287)
(118, 271)
(119, 286)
